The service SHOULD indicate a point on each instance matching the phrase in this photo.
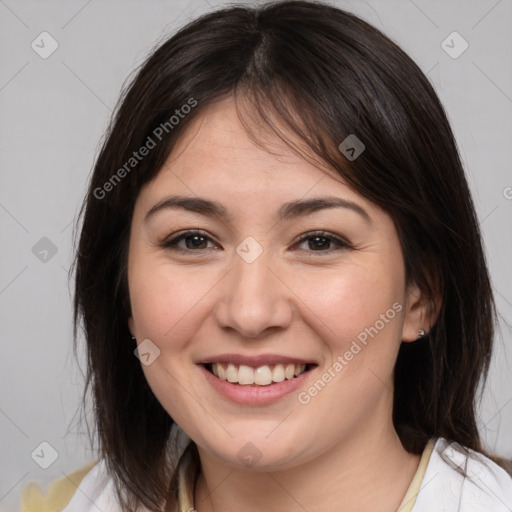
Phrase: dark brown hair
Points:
(323, 74)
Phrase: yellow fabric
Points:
(60, 492)
(411, 494)
(187, 476)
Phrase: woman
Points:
(281, 280)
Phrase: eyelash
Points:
(172, 242)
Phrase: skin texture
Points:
(340, 451)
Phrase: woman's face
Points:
(250, 300)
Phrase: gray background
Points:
(53, 114)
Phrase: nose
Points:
(254, 298)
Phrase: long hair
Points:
(321, 74)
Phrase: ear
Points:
(131, 326)
(420, 313)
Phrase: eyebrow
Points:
(290, 210)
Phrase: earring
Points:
(134, 338)
(421, 334)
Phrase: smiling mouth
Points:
(264, 375)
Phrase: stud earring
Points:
(421, 334)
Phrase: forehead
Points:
(216, 151)
(252, 181)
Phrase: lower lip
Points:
(254, 394)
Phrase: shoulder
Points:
(91, 479)
(459, 477)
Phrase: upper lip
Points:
(254, 361)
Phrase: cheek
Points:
(345, 304)
(167, 309)
(358, 316)
(165, 302)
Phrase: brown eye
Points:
(318, 242)
(195, 241)
(322, 242)
(192, 241)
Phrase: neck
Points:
(358, 474)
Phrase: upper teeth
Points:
(262, 375)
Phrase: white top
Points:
(456, 480)
(461, 480)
